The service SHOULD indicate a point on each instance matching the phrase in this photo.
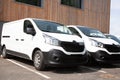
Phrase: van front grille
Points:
(112, 48)
(72, 46)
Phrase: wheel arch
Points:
(35, 51)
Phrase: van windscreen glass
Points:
(91, 32)
(52, 27)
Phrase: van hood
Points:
(65, 37)
(105, 40)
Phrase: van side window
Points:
(74, 31)
(28, 27)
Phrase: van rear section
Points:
(1, 25)
(44, 42)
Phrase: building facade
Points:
(92, 13)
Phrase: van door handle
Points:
(22, 39)
(17, 39)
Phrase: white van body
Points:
(100, 48)
(24, 38)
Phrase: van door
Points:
(27, 43)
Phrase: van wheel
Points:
(91, 60)
(38, 60)
(4, 53)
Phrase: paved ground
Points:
(19, 69)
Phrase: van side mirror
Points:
(30, 30)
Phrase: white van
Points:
(98, 46)
(46, 43)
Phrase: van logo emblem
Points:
(113, 44)
(74, 41)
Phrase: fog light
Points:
(56, 58)
(102, 57)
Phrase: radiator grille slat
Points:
(112, 48)
(72, 46)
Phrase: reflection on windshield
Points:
(91, 32)
(52, 27)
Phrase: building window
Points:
(73, 3)
(31, 2)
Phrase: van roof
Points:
(80, 26)
(29, 19)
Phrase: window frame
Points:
(74, 31)
(81, 7)
(24, 27)
(41, 5)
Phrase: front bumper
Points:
(103, 56)
(58, 58)
(0, 49)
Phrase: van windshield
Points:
(113, 37)
(91, 32)
(52, 27)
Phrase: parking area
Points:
(15, 68)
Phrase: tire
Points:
(4, 53)
(38, 60)
(91, 60)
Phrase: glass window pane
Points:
(31, 2)
(73, 3)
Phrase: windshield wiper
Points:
(46, 31)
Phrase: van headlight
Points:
(51, 40)
(96, 43)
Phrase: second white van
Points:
(100, 48)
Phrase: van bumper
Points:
(0, 49)
(103, 56)
(58, 58)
